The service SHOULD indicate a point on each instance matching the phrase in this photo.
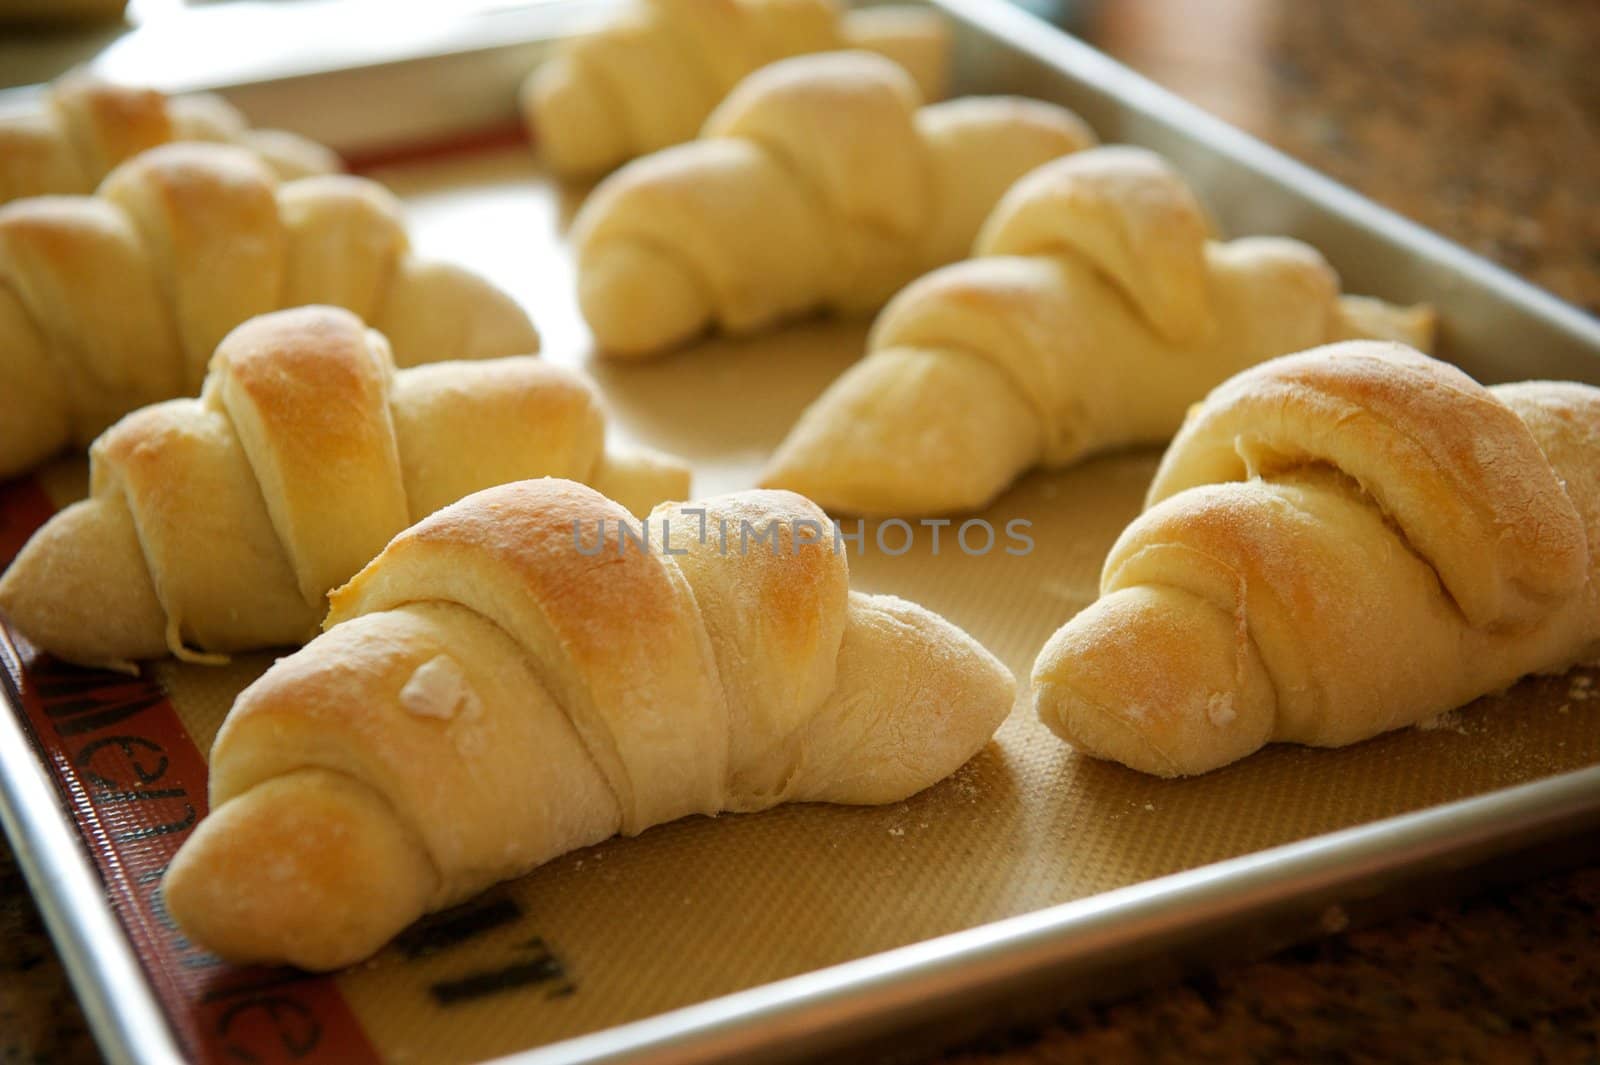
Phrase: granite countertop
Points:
(1480, 119)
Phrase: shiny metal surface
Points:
(1106, 943)
(117, 1000)
(1497, 327)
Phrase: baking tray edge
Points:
(112, 987)
(955, 985)
(1265, 899)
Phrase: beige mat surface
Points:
(704, 907)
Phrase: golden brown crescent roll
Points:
(1097, 311)
(1338, 543)
(648, 79)
(515, 677)
(220, 523)
(85, 127)
(117, 300)
(818, 183)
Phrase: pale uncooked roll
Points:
(114, 301)
(488, 696)
(1096, 310)
(818, 184)
(219, 524)
(1339, 543)
(648, 79)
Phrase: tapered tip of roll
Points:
(1158, 680)
(640, 478)
(438, 311)
(290, 155)
(913, 699)
(639, 301)
(80, 590)
(1363, 318)
(569, 121)
(310, 869)
(910, 431)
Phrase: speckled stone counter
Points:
(1481, 119)
(1510, 976)
(1477, 118)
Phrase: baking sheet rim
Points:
(1331, 867)
(860, 998)
(113, 989)
(129, 1026)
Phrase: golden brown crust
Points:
(78, 267)
(1339, 543)
(345, 237)
(307, 391)
(1096, 313)
(817, 184)
(516, 561)
(1451, 464)
(208, 218)
(181, 472)
(87, 127)
(300, 460)
(550, 421)
(650, 78)
(770, 607)
(132, 289)
(106, 124)
(320, 913)
(487, 696)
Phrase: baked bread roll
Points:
(1338, 543)
(488, 696)
(220, 523)
(85, 127)
(648, 79)
(111, 302)
(817, 184)
(1097, 310)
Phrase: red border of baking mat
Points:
(135, 786)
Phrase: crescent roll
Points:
(85, 127)
(1097, 310)
(220, 523)
(113, 301)
(529, 671)
(817, 184)
(1338, 543)
(647, 79)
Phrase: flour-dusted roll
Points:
(1338, 543)
(219, 524)
(516, 677)
(647, 79)
(1096, 310)
(817, 184)
(84, 127)
(114, 301)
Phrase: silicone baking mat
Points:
(703, 907)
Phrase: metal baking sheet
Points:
(1032, 873)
